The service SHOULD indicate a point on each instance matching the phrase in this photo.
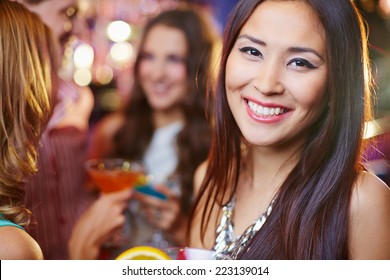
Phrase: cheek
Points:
(178, 73)
(312, 96)
(232, 82)
(181, 82)
(143, 70)
(236, 75)
(229, 75)
(58, 29)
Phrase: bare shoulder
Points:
(200, 172)
(16, 244)
(370, 192)
(101, 143)
(370, 218)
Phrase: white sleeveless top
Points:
(161, 157)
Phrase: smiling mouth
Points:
(265, 111)
(160, 88)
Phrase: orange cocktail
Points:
(112, 175)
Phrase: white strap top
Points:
(161, 157)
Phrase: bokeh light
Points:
(118, 31)
(121, 54)
(83, 56)
(104, 74)
(82, 77)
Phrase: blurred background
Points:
(102, 56)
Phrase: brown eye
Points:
(300, 62)
(176, 59)
(251, 51)
(146, 56)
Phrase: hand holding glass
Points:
(112, 175)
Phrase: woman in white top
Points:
(164, 123)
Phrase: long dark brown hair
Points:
(310, 215)
(194, 140)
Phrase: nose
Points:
(157, 70)
(268, 79)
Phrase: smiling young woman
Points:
(289, 110)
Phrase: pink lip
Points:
(266, 119)
(270, 105)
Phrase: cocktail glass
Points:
(114, 174)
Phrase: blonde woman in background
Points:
(56, 194)
(27, 50)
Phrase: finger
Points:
(155, 217)
(162, 220)
(118, 208)
(122, 195)
(148, 211)
(118, 221)
(109, 235)
(107, 204)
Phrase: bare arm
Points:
(101, 144)
(97, 225)
(76, 111)
(370, 219)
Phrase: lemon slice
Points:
(143, 253)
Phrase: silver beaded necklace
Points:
(227, 242)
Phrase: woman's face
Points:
(276, 73)
(162, 69)
(59, 15)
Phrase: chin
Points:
(260, 140)
(161, 107)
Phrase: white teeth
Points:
(264, 111)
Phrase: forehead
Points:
(292, 21)
(161, 38)
(59, 5)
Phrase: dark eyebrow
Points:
(253, 39)
(305, 50)
(292, 49)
